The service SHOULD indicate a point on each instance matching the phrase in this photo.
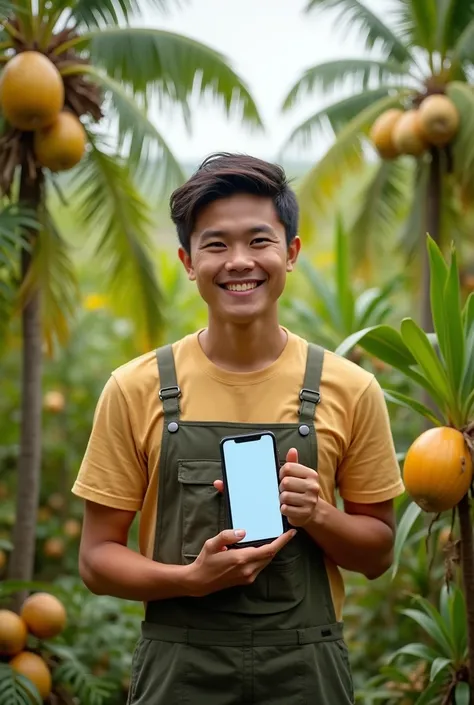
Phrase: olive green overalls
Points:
(275, 642)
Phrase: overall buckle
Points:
(169, 393)
(310, 395)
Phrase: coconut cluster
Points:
(433, 124)
(42, 616)
(32, 99)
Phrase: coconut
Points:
(408, 137)
(439, 120)
(61, 145)
(381, 133)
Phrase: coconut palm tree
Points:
(426, 49)
(78, 78)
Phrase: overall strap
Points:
(310, 395)
(169, 391)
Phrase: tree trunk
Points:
(21, 562)
(467, 564)
(433, 227)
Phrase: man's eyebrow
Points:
(209, 233)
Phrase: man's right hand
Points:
(217, 568)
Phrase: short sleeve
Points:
(369, 471)
(113, 471)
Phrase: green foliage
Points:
(15, 689)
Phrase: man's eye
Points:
(215, 244)
(260, 241)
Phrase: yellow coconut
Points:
(60, 146)
(31, 92)
(439, 120)
(381, 133)
(408, 137)
(35, 669)
(437, 471)
(13, 633)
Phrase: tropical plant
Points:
(442, 365)
(328, 312)
(423, 51)
(85, 63)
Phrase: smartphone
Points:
(250, 470)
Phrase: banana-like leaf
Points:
(52, 271)
(422, 350)
(144, 143)
(360, 74)
(344, 293)
(170, 68)
(112, 210)
(405, 525)
(370, 26)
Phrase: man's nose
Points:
(239, 260)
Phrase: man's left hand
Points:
(299, 488)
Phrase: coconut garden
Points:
(386, 279)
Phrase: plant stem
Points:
(467, 563)
(433, 223)
(24, 533)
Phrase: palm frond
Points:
(383, 204)
(370, 26)
(457, 15)
(16, 689)
(170, 68)
(111, 208)
(344, 157)
(464, 48)
(144, 144)
(414, 230)
(52, 271)
(462, 96)
(336, 116)
(418, 22)
(6, 7)
(15, 225)
(96, 13)
(360, 74)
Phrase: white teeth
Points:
(241, 287)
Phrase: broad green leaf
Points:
(368, 304)
(414, 405)
(469, 405)
(435, 615)
(382, 341)
(420, 651)
(462, 694)
(438, 665)
(438, 278)
(455, 345)
(431, 627)
(345, 296)
(468, 314)
(405, 525)
(458, 618)
(375, 31)
(420, 347)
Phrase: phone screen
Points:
(252, 486)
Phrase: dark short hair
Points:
(222, 175)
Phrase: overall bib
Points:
(275, 642)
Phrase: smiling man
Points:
(259, 625)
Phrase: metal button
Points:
(303, 430)
(173, 427)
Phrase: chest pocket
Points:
(279, 587)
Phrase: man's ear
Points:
(187, 264)
(292, 253)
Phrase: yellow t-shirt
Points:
(356, 455)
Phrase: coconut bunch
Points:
(42, 106)
(42, 616)
(434, 122)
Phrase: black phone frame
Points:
(243, 438)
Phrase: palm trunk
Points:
(467, 564)
(21, 563)
(433, 227)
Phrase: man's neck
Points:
(243, 348)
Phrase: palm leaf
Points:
(382, 206)
(418, 21)
(457, 16)
(360, 74)
(52, 271)
(375, 31)
(170, 68)
(16, 689)
(414, 232)
(143, 142)
(464, 47)
(344, 157)
(111, 208)
(93, 13)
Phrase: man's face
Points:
(239, 257)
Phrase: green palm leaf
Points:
(464, 47)
(375, 31)
(169, 67)
(462, 96)
(457, 16)
(145, 144)
(360, 74)
(110, 206)
(94, 13)
(52, 271)
(343, 158)
(418, 21)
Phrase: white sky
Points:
(269, 43)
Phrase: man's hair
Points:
(222, 175)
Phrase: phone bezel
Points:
(243, 438)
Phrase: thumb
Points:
(292, 456)
(225, 538)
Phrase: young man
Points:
(258, 625)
